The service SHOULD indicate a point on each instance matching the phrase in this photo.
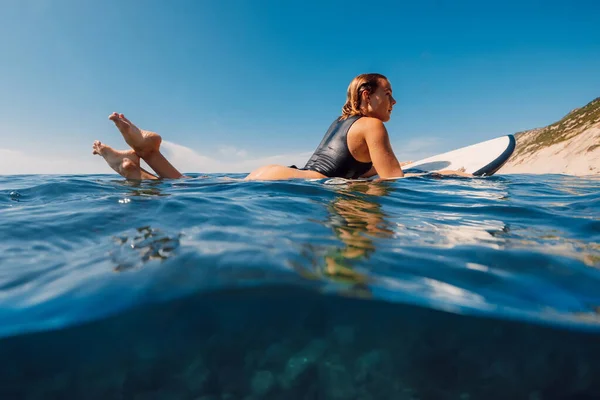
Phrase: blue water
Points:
(78, 251)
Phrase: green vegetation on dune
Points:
(570, 125)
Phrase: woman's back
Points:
(332, 156)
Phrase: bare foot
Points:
(125, 162)
(143, 142)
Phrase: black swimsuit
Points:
(332, 157)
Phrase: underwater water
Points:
(214, 288)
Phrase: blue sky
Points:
(235, 84)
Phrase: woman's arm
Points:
(382, 156)
(373, 171)
(369, 173)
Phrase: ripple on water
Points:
(506, 246)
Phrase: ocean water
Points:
(214, 288)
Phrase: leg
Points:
(126, 163)
(279, 172)
(146, 144)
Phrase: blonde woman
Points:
(356, 145)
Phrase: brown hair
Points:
(363, 82)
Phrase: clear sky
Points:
(233, 84)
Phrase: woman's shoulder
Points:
(369, 124)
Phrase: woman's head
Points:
(369, 95)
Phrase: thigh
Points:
(279, 172)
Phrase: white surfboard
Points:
(479, 159)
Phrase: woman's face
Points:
(381, 102)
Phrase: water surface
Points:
(516, 249)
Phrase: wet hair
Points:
(363, 82)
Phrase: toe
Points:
(118, 121)
(125, 119)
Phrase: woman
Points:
(356, 144)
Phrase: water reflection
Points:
(141, 188)
(356, 218)
(446, 230)
(141, 246)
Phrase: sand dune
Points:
(570, 146)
